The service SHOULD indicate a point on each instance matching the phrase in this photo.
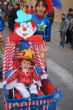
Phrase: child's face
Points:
(40, 9)
(26, 64)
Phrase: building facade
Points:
(66, 4)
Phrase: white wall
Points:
(67, 4)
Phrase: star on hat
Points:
(28, 53)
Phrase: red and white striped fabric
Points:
(10, 52)
(8, 57)
(28, 104)
(37, 58)
(41, 47)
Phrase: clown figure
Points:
(22, 43)
(24, 30)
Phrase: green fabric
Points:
(62, 25)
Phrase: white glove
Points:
(37, 82)
(4, 83)
(1, 86)
(45, 76)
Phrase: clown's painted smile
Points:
(25, 30)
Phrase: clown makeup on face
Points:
(41, 7)
(26, 30)
(25, 64)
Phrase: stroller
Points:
(48, 95)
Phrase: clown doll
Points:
(24, 32)
(26, 76)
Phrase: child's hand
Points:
(45, 76)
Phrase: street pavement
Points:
(60, 69)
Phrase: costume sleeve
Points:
(35, 76)
(50, 5)
(12, 77)
(48, 29)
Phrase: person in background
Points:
(32, 11)
(11, 17)
(23, 6)
(50, 15)
(17, 6)
(63, 29)
(71, 30)
(27, 9)
(68, 33)
(2, 14)
(1, 24)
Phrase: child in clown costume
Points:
(43, 24)
(43, 28)
(26, 76)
